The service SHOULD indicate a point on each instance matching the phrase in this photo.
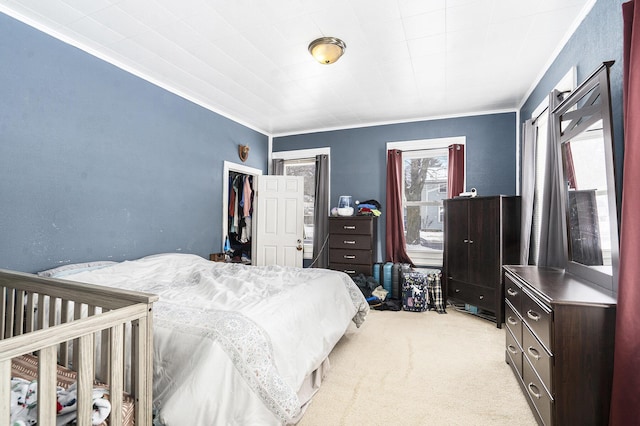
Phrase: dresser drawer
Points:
(344, 241)
(351, 226)
(539, 318)
(514, 352)
(538, 356)
(350, 256)
(482, 297)
(513, 293)
(351, 269)
(513, 321)
(537, 393)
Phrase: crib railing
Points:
(103, 334)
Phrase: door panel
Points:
(483, 242)
(457, 233)
(279, 221)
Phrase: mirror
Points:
(584, 136)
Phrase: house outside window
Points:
(425, 177)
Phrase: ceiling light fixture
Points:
(327, 50)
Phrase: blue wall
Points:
(358, 156)
(598, 39)
(96, 163)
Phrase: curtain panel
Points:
(395, 240)
(277, 166)
(528, 188)
(625, 397)
(321, 213)
(455, 172)
(551, 246)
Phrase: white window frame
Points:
(432, 258)
(303, 154)
(541, 122)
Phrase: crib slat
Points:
(64, 346)
(41, 309)
(77, 314)
(52, 312)
(3, 310)
(84, 364)
(141, 364)
(29, 326)
(19, 323)
(116, 367)
(104, 355)
(5, 392)
(47, 386)
(10, 316)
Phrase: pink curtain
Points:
(455, 180)
(625, 398)
(396, 243)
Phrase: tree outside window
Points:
(425, 176)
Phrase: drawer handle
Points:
(533, 390)
(351, 227)
(512, 321)
(534, 352)
(481, 297)
(512, 349)
(349, 256)
(348, 242)
(511, 292)
(533, 315)
(457, 290)
(349, 271)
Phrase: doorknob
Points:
(299, 246)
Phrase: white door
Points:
(278, 219)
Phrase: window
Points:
(425, 165)
(305, 167)
(303, 163)
(424, 173)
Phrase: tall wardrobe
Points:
(480, 235)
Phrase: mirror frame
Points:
(579, 118)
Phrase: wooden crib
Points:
(104, 335)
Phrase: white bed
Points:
(236, 344)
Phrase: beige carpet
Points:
(408, 368)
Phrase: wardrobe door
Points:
(456, 232)
(484, 241)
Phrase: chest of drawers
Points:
(352, 244)
(559, 344)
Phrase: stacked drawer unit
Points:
(528, 340)
(559, 343)
(352, 244)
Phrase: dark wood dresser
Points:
(353, 244)
(559, 344)
(480, 235)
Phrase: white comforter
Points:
(233, 343)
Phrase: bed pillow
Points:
(75, 268)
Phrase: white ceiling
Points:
(248, 60)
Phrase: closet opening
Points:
(238, 203)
